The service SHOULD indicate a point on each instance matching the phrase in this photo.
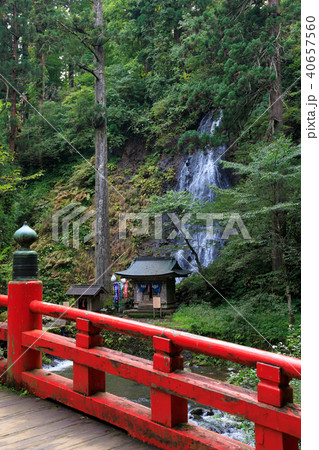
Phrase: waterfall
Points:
(199, 171)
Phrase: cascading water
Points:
(201, 170)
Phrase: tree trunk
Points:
(275, 100)
(275, 111)
(13, 107)
(43, 78)
(290, 311)
(71, 76)
(276, 253)
(288, 295)
(102, 231)
(13, 120)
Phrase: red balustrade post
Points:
(87, 380)
(274, 390)
(21, 292)
(167, 409)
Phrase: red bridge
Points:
(165, 425)
(276, 418)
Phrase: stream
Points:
(203, 416)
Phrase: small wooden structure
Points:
(154, 277)
(89, 297)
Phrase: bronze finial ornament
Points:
(25, 260)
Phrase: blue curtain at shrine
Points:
(142, 287)
(157, 287)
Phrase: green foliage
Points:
(269, 188)
(292, 344)
(180, 204)
(201, 319)
(127, 344)
(166, 66)
(224, 322)
(12, 185)
(167, 63)
(10, 175)
(236, 321)
(6, 267)
(191, 141)
(150, 179)
(41, 145)
(12, 389)
(45, 359)
(247, 377)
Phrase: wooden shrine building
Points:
(154, 277)
(89, 297)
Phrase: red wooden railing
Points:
(276, 418)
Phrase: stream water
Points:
(211, 419)
(198, 172)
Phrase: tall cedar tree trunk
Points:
(13, 107)
(275, 99)
(41, 100)
(71, 76)
(102, 230)
(279, 217)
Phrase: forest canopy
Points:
(167, 64)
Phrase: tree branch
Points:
(82, 40)
(193, 251)
(82, 66)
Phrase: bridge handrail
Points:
(198, 388)
(276, 418)
(165, 424)
(4, 301)
(198, 344)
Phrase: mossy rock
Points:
(4, 316)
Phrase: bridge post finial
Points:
(25, 260)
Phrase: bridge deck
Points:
(27, 422)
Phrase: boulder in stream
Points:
(196, 412)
